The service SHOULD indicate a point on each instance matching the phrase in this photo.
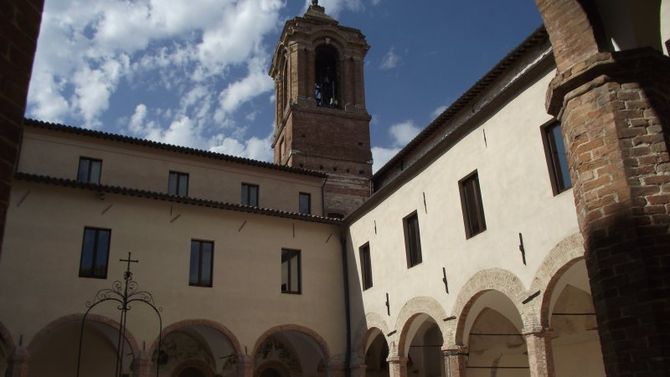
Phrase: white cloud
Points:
(253, 148)
(95, 86)
(403, 132)
(137, 120)
(390, 60)
(381, 155)
(46, 99)
(438, 111)
(254, 84)
(334, 7)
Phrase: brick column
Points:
(18, 39)
(245, 366)
(454, 361)
(397, 366)
(540, 356)
(615, 114)
(18, 363)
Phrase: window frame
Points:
(413, 255)
(89, 169)
(366, 266)
(92, 274)
(309, 203)
(179, 175)
(200, 282)
(553, 161)
(292, 253)
(467, 208)
(247, 186)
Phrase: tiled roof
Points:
(172, 198)
(168, 147)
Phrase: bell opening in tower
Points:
(327, 84)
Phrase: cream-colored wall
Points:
(665, 24)
(517, 198)
(57, 154)
(42, 247)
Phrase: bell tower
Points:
(321, 120)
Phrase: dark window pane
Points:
(366, 266)
(206, 264)
(245, 194)
(183, 185)
(253, 196)
(95, 167)
(412, 240)
(94, 253)
(559, 156)
(82, 173)
(290, 270)
(200, 271)
(172, 184)
(304, 203)
(471, 202)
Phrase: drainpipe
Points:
(345, 275)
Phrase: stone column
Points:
(18, 363)
(540, 356)
(358, 370)
(245, 366)
(142, 365)
(454, 359)
(397, 366)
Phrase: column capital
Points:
(454, 350)
(398, 360)
(539, 332)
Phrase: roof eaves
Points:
(34, 178)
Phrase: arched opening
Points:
(54, 354)
(495, 344)
(423, 347)
(289, 353)
(327, 86)
(194, 350)
(376, 355)
(285, 86)
(631, 24)
(575, 344)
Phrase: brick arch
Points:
(336, 40)
(494, 279)
(323, 345)
(574, 30)
(181, 325)
(47, 330)
(566, 253)
(413, 308)
(371, 321)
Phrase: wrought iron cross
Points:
(128, 274)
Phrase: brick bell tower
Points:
(321, 120)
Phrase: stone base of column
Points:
(540, 355)
(454, 361)
(397, 366)
(245, 366)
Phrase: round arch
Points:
(47, 330)
(330, 38)
(413, 308)
(216, 326)
(564, 255)
(371, 322)
(272, 364)
(7, 338)
(494, 279)
(323, 345)
(193, 364)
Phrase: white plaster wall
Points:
(517, 197)
(665, 24)
(42, 247)
(57, 154)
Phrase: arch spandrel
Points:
(318, 339)
(185, 324)
(370, 322)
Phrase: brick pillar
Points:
(397, 366)
(245, 366)
(615, 114)
(454, 361)
(540, 356)
(18, 363)
(20, 20)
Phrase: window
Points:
(366, 266)
(305, 203)
(471, 203)
(202, 255)
(554, 150)
(326, 86)
(94, 253)
(178, 184)
(290, 271)
(412, 239)
(249, 194)
(89, 170)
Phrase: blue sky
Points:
(194, 72)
